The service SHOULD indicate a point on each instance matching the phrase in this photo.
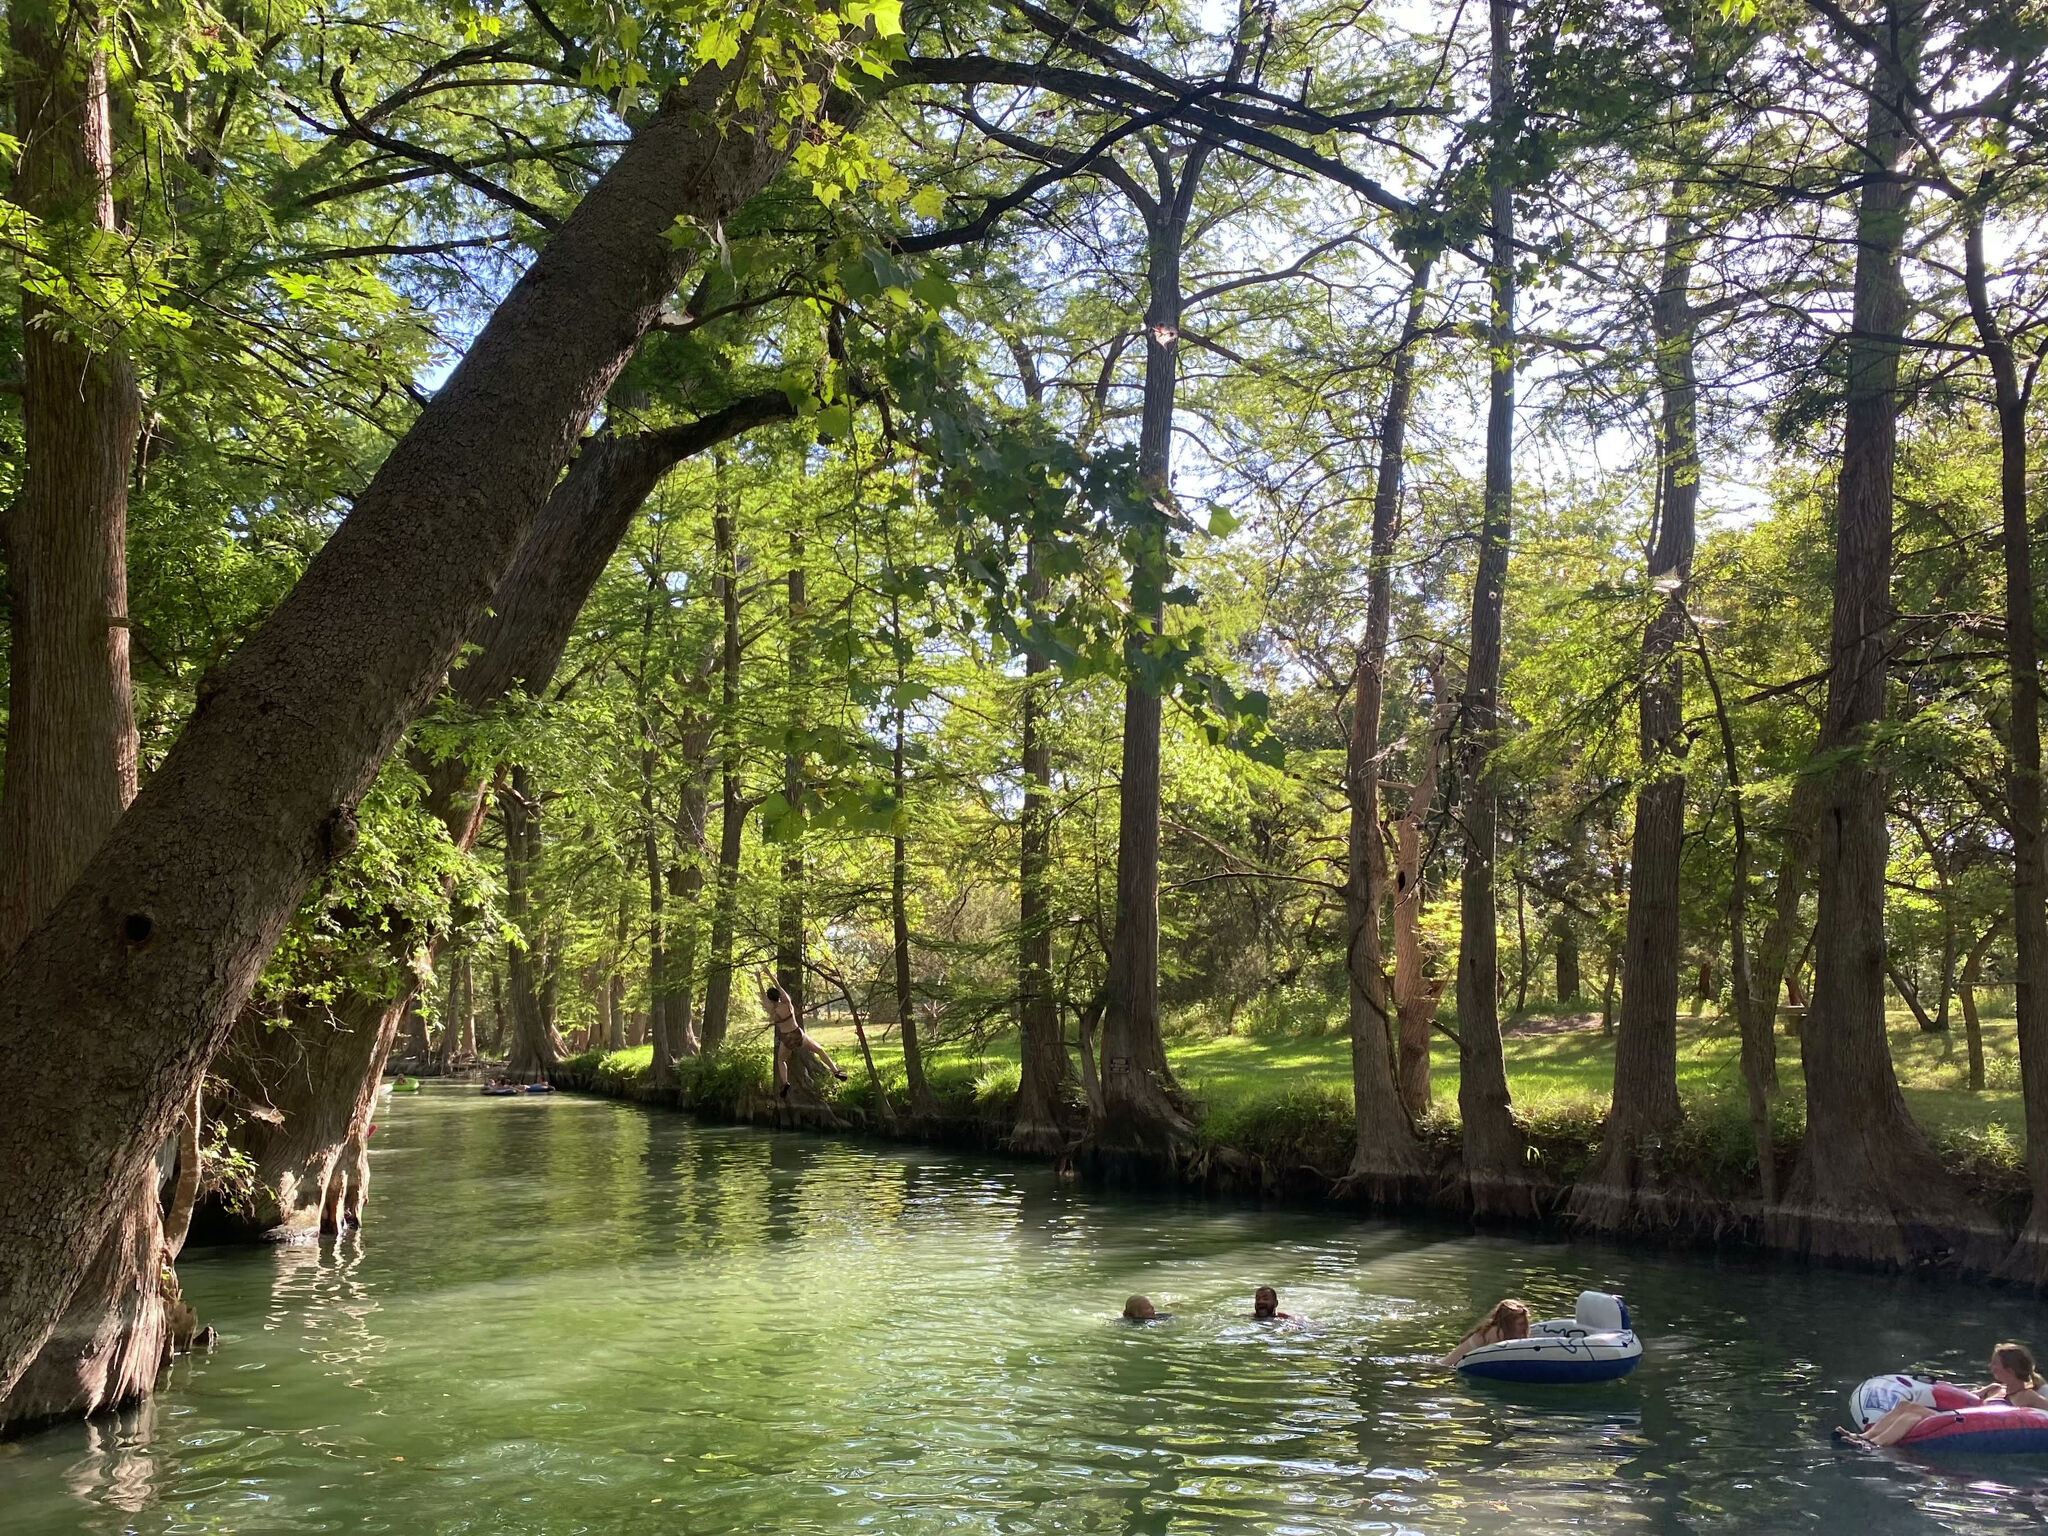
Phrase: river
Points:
(570, 1315)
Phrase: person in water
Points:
(2014, 1381)
(1139, 1309)
(1508, 1320)
(791, 1038)
(1266, 1306)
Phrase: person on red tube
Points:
(2014, 1382)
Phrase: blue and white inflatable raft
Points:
(1596, 1343)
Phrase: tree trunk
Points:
(2028, 1262)
(922, 1105)
(732, 808)
(1493, 1143)
(111, 1007)
(790, 939)
(1042, 1044)
(1973, 971)
(1570, 983)
(657, 947)
(305, 1086)
(70, 760)
(329, 1084)
(1751, 1019)
(1769, 973)
(1415, 993)
(70, 767)
(1385, 1156)
(1622, 1187)
(536, 1047)
(1141, 1122)
(468, 973)
(686, 885)
(1868, 1185)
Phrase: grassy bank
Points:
(1286, 1097)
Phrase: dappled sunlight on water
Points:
(683, 1329)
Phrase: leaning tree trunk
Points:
(1386, 1156)
(2028, 1262)
(1623, 1186)
(1493, 1143)
(732, 806)
(325, 1091)
(1141, 1121)
(71, 748)
(1868, 1185)
(111, 1008)
(1042, 1046)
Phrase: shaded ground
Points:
(1287, 1097)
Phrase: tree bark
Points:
(790, 939)
(686, 885)
(536, 1047)
(1769, 974)
(1493, 1144)
(70, 766)
(311, 1170)
(2028, 1262)
(922, 1104)
(1569, 980)
(1046, 1070)
(1868, 1185)
(1973, 972)
(1142, 1122)
(70, 760)
(1385, 1156)
(732, 808)
(1621, 1188)
(1415, 993)
(657, 945)
(151, 954)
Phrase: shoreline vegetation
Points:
(1274, 1118)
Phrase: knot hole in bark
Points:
(337, 835)
(136, 928)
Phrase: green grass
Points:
(1287, 1096)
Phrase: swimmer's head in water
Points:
(1139, 1309)
(1510, 1320)
(1265, 1302)
(2017, 1362)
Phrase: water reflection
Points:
(571, 1316)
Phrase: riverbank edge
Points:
(1672, 1217)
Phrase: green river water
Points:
(570, 1315)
